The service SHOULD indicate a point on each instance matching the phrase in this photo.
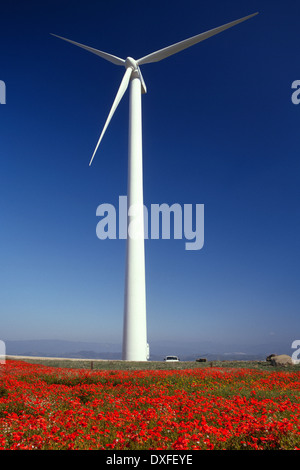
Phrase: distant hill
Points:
(158, 350)
(61, 348)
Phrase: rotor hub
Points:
(130, 62)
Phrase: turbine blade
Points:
(179, 46)
(144, 88)
(119, 95)
(104, 55)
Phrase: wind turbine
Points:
(135, 346)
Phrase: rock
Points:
(281, 360)
(268, 359)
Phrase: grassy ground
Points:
(150, 365)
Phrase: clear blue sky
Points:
(219, 129)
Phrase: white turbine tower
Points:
(135, 347)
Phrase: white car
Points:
(171, 359)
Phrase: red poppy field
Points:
(47, 408)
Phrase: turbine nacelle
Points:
(136, 71)
(130, 62)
